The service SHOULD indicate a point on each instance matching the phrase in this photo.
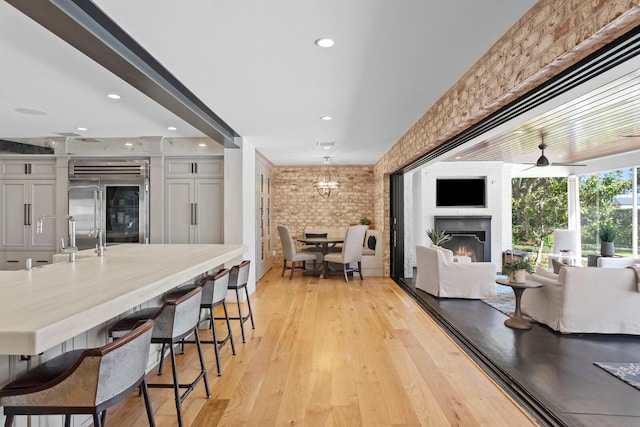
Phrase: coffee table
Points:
(516, 321)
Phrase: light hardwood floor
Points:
(328, 353)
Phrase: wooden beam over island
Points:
(48, 305)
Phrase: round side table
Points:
(517, 321)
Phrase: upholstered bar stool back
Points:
(173, 322)
(214, 290)
(83, 381)
(214, 293)
(238, 279)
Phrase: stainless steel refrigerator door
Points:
(82, 208)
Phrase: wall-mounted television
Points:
(461, 192)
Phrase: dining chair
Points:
(83, 381)
(290, 254)
(351, 252)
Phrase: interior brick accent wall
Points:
(552, 36)
(296, 204)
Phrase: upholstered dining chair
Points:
(351, 252)
(290, 254)
(83, 381)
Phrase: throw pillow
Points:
(557, 265)
(371, 243)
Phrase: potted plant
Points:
(365, 221)
(438, 237)
(517, 268)
(607, 236)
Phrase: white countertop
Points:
(48, 305)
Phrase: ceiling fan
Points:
(543, 161)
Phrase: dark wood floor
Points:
(551, 374)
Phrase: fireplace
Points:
(470, 235)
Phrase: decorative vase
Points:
(518, 276)
(607, 249)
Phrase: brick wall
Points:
(296, 204)
(548, 39)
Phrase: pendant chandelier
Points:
(326, 182)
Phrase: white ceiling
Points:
(253, 63)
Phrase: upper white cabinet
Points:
(21, 169)
(194, 168)
(194, 201)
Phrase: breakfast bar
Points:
(46, 306)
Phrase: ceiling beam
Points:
(87, 28)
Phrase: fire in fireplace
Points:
(470, 235)
(466, 244)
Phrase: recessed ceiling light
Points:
(128, 144)
(324, 42)
(172, 128)
(326, 144)
(31, 111)
(326, 118)
(202, 144)
(81, 128)
(113, 96)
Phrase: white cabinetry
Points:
(194, 209)
(27, 169)
(191, 168)
(24, 197)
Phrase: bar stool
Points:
(83, 381)
(214, 293)
(238, 278)
(175, 320)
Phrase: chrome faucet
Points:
(71, 249)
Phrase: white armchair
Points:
(440, 276)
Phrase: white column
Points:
(634, 218)
(573, 193)
(240, 203)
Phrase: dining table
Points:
(324, 244)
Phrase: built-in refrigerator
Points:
(109, 197)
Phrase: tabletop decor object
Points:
(607, 236)
(517, 268)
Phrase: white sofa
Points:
(371, 258)
(585, 300)
(441, 275)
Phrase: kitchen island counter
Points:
(48, 305)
